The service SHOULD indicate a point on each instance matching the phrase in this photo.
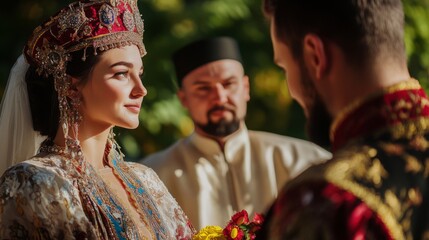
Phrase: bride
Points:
(79, 76)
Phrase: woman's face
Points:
(114, 92)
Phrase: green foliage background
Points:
(170, 24)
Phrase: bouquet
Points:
(238, 228)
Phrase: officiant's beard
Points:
(221, 128)
(318, 118)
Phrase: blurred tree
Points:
(172, 23)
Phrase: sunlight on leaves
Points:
(184, 28)
(168, 5)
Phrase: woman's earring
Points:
(76, 116)
(113, 143)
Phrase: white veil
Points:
(18, 140)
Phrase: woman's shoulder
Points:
(147, 175)
(138, 166)
(41, 168)
(41, 176)
(37, 197)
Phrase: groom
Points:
(346, 65)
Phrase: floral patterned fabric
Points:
(39, 199)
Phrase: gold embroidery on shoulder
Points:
(392, 148)
(410, 128)
(376, 172)
(342, 172)
(419, 143)
(411, 84)
(393, 202)
(415, 196)
(412, 164)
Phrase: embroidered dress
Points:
(52, 197)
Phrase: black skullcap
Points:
(202, 52)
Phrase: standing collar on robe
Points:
(209, 146)
(402, 109)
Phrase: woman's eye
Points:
(121, 74)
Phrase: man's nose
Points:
(220, 94)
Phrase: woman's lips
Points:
(133, 108)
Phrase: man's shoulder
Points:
(353, 178)
(287, 143)
(274, 138)
(168, 155)
(337, 168)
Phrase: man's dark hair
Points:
(364, 29)
(43, 97)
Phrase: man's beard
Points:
(223, 127)
(318, 118)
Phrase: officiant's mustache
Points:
(222, 108)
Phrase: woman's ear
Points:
(75, 89)
(315, 55)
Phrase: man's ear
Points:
(315, 55)
(182, 97)
(246, 87)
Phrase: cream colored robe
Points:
(210, 184)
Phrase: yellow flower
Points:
(234, 233)
(210, 233)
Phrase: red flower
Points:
(258, 219)
(240, 228)
(233, 232)
(240, 218)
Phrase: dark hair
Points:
(364, 29)
(43, 97)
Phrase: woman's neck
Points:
(92, 141)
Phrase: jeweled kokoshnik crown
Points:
(100, 24)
